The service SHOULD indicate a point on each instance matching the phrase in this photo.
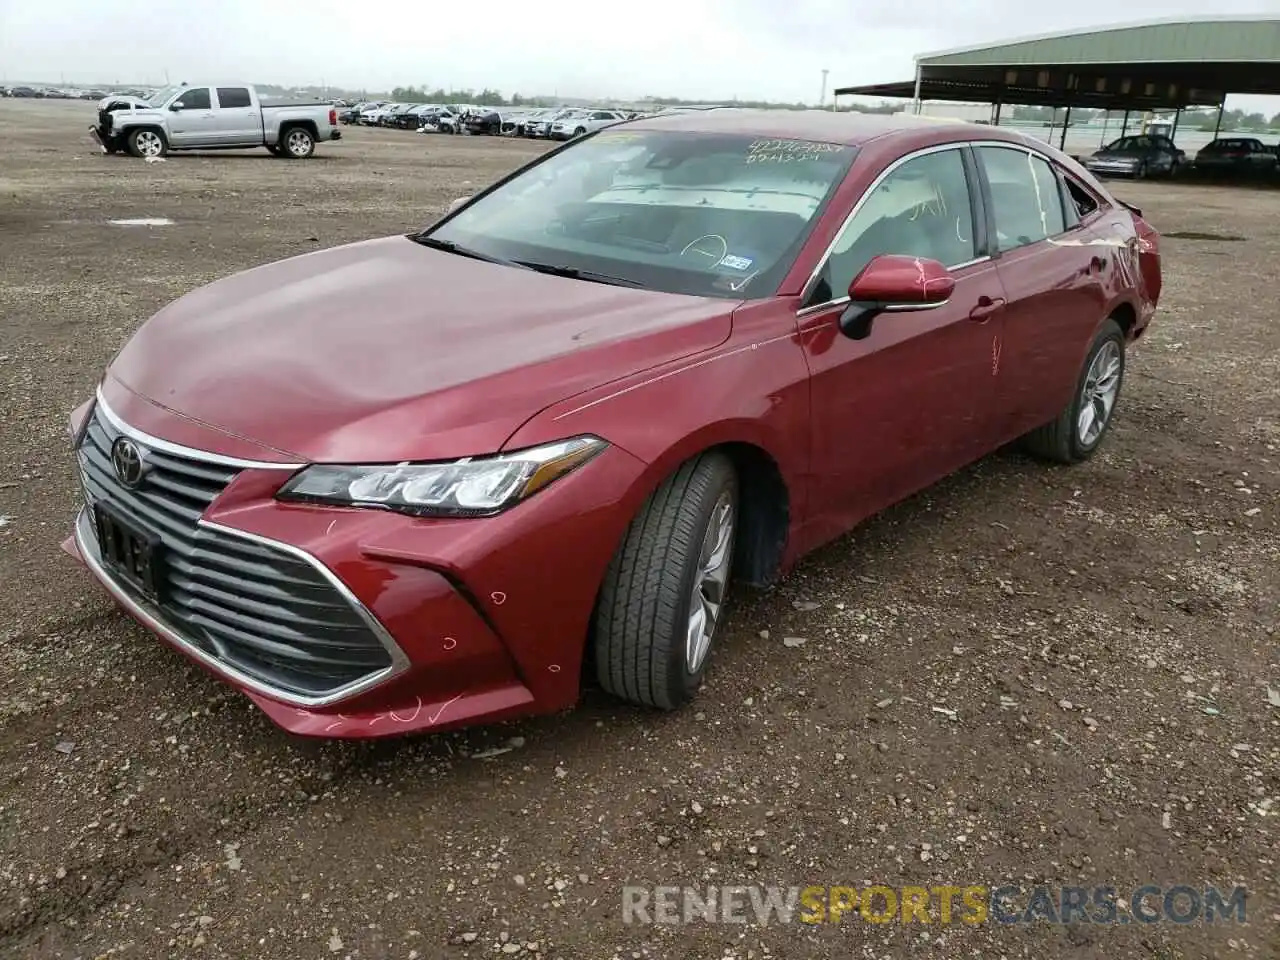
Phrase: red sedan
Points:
(670, 356)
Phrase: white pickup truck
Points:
(187, 117)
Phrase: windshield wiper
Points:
(448, 246)
(573, 273)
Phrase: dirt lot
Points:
(1027, 674)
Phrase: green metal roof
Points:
(1154, 65)
(1214, 39)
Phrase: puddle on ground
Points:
(1197, 235)
(144, 222)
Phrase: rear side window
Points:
(197, 98)
(1078, 199)
(230, 97)
(1025, 197)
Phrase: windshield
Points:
(702, 214)
(162, 95)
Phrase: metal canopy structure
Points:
(1157, 65)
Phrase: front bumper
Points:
(482, 620)
(1112, 169)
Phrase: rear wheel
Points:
(298, 142)
(663, 595)
(147, 143)
(1077, 432)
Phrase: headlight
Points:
(472, 487)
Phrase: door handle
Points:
(986, 308)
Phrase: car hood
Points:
(387, 350)
(136, 102)
(1119, 155)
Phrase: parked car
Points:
(1236, 156)
(681, 389)
(542, 127)
(582, 122)
(1138, 156)
(372, 115)
(186, 117)
(438, 120)
(484, 122)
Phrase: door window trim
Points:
(977, 201)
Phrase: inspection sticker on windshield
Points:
(736, 263)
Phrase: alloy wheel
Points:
(1098, 395)
(710, 581)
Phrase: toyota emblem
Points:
(129, 461)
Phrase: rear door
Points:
(911, 400)
(1053, 269)
(238, 119)
(193, 123)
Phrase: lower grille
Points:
(264, 612)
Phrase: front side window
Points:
(921, 209)
(1025, 197)
(197, 98)
(721, 215)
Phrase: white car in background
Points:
(580, 122)
(542, 126)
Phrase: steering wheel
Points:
(707, 250)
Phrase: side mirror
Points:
(893, 283)
(175, 106)
(457, 203)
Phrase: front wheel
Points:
(147, 144)
(1077, 432)
(664, 593)
(298, 143)
(580, 131)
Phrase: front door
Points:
(193, 124)
(913, 399)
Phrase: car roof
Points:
(847, 127)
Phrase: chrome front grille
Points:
(266, 613)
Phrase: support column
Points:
(1062, 142)
(915, 97)
(1106, 116)
(1218, 124)
(1177, 115)
(1124, 127)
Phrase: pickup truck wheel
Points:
(1077, 432)
(664, 592)
(147, 143)
(298, 143)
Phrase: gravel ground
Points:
(1025, 674)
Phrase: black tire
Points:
(580, 131)
(643, 611)
(135, 148)
(1059, 440)
(1140, 172)
(296, 143)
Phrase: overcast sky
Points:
(701, 49)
